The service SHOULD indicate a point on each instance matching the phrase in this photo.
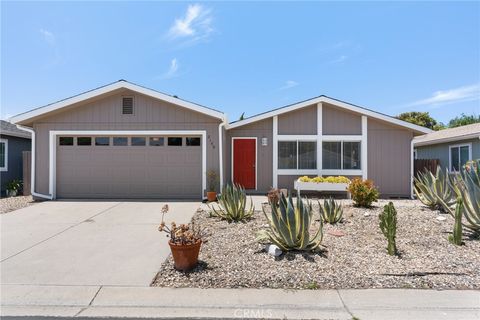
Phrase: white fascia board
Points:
(109, 88)
(337, 103)
(444, 140)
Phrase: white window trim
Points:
(319, 138)
(53, 149)
(297, 171)
(469, 145)
(256, 157)
(5, 167)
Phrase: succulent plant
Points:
(435, 191)
(331, 212)
(456, 237)
(466, 186)
(388, 225)
(233, 204)
(290, 224)
(331, 179)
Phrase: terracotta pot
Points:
(185, 257)
(211, 196)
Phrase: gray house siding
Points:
(303, 121)
(104, 113)
(441, 151)
(260, 129)
(16, 146)
(338, 121)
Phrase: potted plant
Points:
(185, 241)
(12, 187)
(212, 185)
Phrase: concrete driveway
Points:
(86, 242)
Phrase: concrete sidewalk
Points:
(21, 301)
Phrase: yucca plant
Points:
(466, 186)
(289, 226)
(456, 237)
(331, 212)
(233, 204)
(434, 191)
(388, 225)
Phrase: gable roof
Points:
(120, 84)
(471, 131)
(9, 129)
(335, 102)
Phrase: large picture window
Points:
(297, 155)
(459, 155)
(341, 155)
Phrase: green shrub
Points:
(331, 211)
(290, 226)
(233, 204)
(363, 192)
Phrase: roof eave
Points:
(445, 140)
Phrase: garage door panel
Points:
(129, 172)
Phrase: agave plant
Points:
(466, 186)
(289, 226)
(233, 204)
(331, 211)
(434, 191)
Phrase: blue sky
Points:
(247, 57)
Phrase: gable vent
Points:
(127, 105)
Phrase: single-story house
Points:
(13, 142)
(123, 140)
(452, 147)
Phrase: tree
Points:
(463, 120)
(421, 118)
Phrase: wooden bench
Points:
(321, 186)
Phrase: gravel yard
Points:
(231, 258)
(14, 203)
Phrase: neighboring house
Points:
(453, 147)
(12, 143)
(126, 141)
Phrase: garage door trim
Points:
(53, 148)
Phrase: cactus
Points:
(289, 226)
(466, 185)
(331, 211)
(233, 203)
(388, 225)
(456, 238)
(435, 191)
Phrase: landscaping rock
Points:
(273, 250)
(14, 203)
(336, 233)
(441, 218)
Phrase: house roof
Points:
(9, 129)
(471, 131)
(120, 84)
(336, 102)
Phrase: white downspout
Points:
(32, 166)
(220, 151)
(411, 169)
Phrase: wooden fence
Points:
(27, 168)
(425, 164)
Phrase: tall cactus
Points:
(388, 225)
(456, 238)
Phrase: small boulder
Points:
(273, 250)
(336, 233)
(441, 218)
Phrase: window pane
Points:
(307, 155)
(455, 159)
(156, 141)
(192, 141)
(139, 141)
(120, 141)
(84, 141)
(331, 157)
(464, 155)
(102, 141)
(174, 141)
(351, 155)
(2, 154)
(287, 155)
(66, 141)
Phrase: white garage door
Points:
(129, 167)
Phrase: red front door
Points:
(244, 158)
